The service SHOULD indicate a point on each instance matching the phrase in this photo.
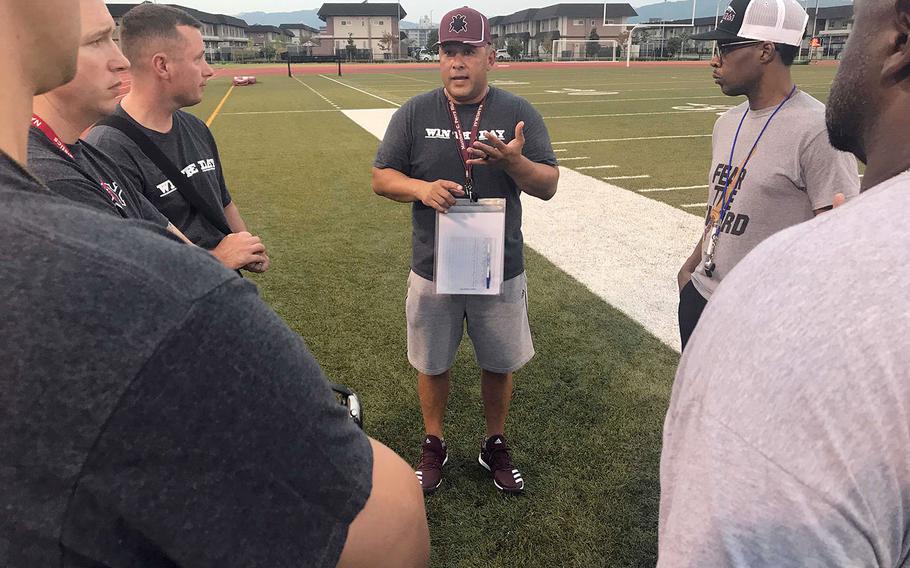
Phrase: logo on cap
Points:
(459, 24)
(729, 14)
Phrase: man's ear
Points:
(160, 65)
(768, 52)
(896, 67)
(491, 56)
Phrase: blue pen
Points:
(489, 260)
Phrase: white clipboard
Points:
(470, 247)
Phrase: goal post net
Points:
(585, 50)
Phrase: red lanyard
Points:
(44, 127)
(463, 146)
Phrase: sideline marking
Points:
(595, 167)
(214, 114)
(361, 91)
(318, 93)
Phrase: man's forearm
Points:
(535, 179)
(234, 220)
(692, 262)
(396, 185)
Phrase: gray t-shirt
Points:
(191, 147)
(90, 177)
(153, 411)
(418, 143)
(793, 172)
(786, 442)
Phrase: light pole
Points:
(814, 30)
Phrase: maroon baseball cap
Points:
(464, 25)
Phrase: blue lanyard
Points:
(727, 197)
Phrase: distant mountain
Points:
(683, 9)
(307, 17)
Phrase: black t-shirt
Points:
(191, 147)
(89, 177)
(154, 411)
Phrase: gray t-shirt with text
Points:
(786, 442)
(418, 143)
(793, 172)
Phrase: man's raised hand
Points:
(498, 152)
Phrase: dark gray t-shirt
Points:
(786, 442)
(191, 147)
(153, 411)
(92, 178)
(418, 143)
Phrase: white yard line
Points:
(633, 139)
(560, 150)
(693, 205)
(280, 111)
(615, 115)
(657, 189)
(612, 178)
(576, 158)
(679, 98)
(411, 78)
(624, 247)
(595, 167)
(317, 92)
(361, 91)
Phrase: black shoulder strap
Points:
(167, 167)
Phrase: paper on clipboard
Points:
(470, 247)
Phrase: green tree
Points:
(432, 38)
(269, 50)
(514, 47)
(674, 46)
(591, 48)
(387, 41)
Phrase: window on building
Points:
(381, 22)
(578, 22)
(343, 23)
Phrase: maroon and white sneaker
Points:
(494, 456)
(433, 455)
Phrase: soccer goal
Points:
(584, 49)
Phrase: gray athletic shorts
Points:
(497, 325)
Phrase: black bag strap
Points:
(167, 167)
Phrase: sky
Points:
(414, 8)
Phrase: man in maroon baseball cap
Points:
(500, 149)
